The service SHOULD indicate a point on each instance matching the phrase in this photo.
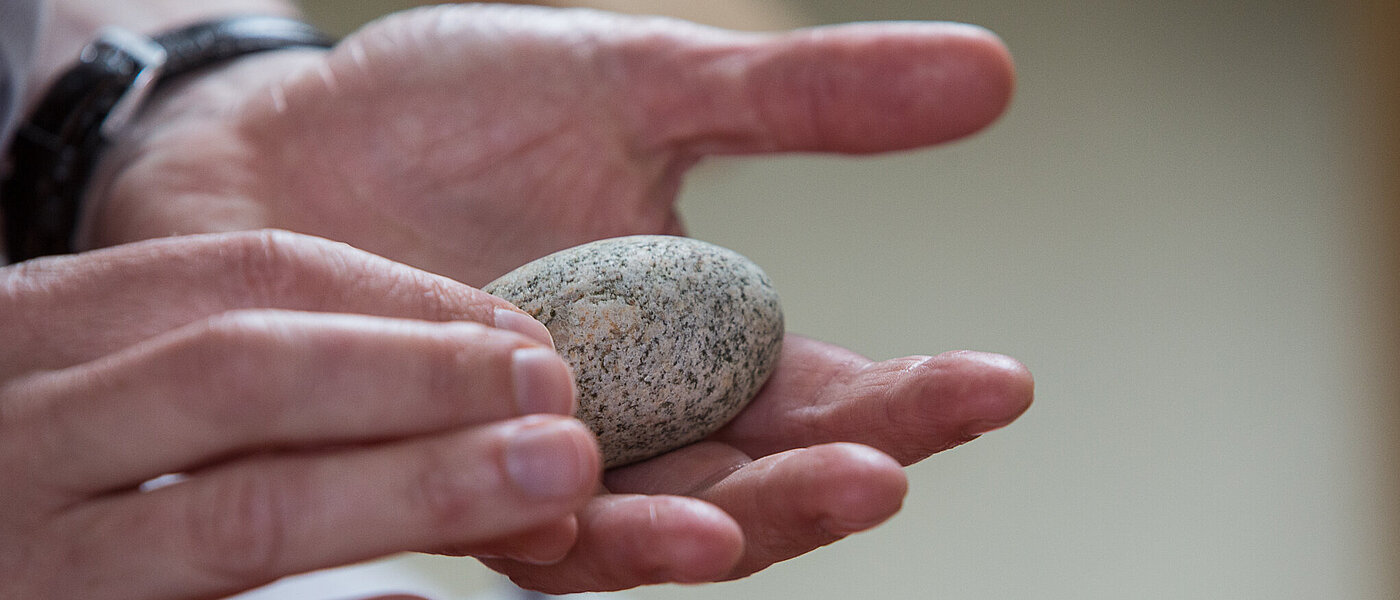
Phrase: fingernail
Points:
(551, 460)
(543, 383)
(522, 324)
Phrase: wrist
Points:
(55, 153)
(72, 24)
(202, 118)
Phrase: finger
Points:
(109, 299)
(788, 503)
(908, 408)
(686, 471)
(785, 505)
(257, 380)
(545, 545)
(854, 88)
(626, 541)
(241, 525)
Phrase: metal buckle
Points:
(147, 61)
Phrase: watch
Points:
(53, 154)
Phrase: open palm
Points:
(469, 140)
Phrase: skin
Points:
(464, 141)
(470, 140)
(302, 387)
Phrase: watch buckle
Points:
(148, 59)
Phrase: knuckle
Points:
(290, 270)
(270, 264)
(272, 267)
(239, 328)
(234, 353)
(454, 370)
(229, 346)
(446, 300)
(236, 528)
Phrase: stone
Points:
(669, 337)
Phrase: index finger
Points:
(112, 298)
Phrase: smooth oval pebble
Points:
(669, 337)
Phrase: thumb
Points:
(856, 88)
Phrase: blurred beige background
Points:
(1184, 227)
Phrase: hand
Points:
(469, 140)
(814, 458)
(316, 402)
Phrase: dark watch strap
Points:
(53, 154)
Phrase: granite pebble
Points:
(669, 337)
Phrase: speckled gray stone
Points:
(669, 337)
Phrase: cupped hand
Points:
(814, 458)
(468, 140)
(193, 417)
